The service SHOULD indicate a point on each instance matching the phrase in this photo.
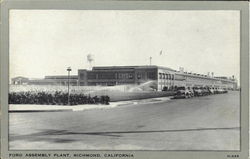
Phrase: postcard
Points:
(124, 79)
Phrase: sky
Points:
(46, 42)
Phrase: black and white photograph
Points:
(124, 80)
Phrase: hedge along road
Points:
(201, 123)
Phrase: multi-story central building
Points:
(117, 75)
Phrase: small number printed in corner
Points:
(233, 156)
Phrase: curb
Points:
(34, 111)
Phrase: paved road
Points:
(204, 123)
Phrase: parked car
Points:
(182, 92)
(205, 91)
(191, 91)
(221, 90)
(197, 91)
(211, 90)
(225, 91)
(216, 90)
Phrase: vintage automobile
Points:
(182, 92)
(216, 90)
(191, 91)
(211, 90)
(221, 90)
(197, 91)
(205, 91)
(225, 91)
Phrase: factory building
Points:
(19, 80)
(47, 80)
(117, 75)
(164, 78)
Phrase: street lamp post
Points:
(68, 69)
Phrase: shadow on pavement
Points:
(51, 132)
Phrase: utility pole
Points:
(68, 69)
(150, 60)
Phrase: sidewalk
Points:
(57, 108)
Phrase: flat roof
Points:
(61, 76)
(204, 76)
(19, 77)
(129, 67)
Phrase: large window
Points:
(106, 75)
(139, 75)
(160, 75)
(163, 76)
(125, 76)
(151, 75)
(130, 76)
(82, 76)
(91, 75)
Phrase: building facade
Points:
(164, 78)
(48, 80)
(116, 75)
(19, 80)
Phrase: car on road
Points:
(225, 91)
(221, 90)
(191, 91)
(205, 91)
(197, 91)
(211, 90)
(216, 90)
(182, 92)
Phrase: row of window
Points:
(198, 79)
(190, 79)
(146, 75)
(125, 76)
(166, 76)
(108, 75)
